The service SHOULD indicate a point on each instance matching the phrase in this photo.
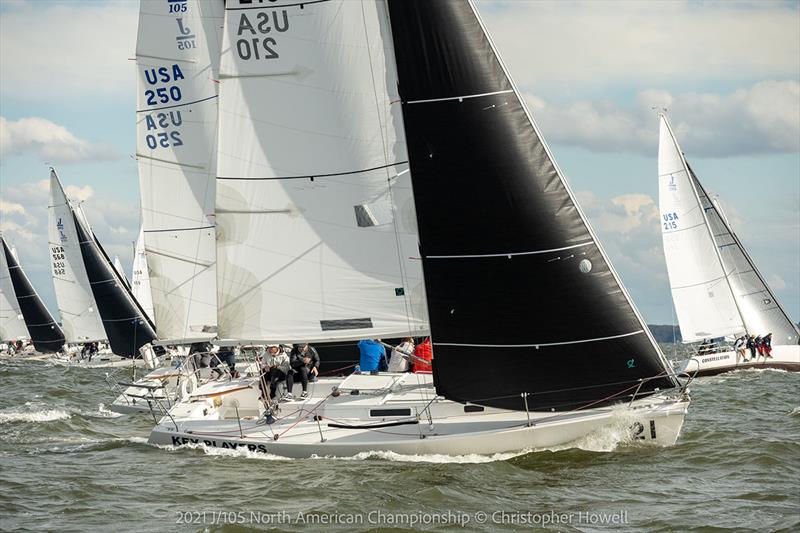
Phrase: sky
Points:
(591, 73)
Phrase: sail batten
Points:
(484, 180)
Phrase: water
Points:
(68, 464)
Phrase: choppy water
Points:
(68, 464)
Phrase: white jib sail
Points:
(316, 228)
(140, 280)
(80, 320)
(701, 292)
(12, 323)
(121, 271)
(177, 55)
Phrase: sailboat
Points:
(125, 323)
(80, 319)
(716, 287)
(121, 271)
(12, 323)
(177, 56)
(535, 340)
(140, 279)
(44, 332)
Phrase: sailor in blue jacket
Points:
(373, 355)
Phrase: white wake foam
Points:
(46, 415)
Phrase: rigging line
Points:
(459, 98)
(301, 4)
(177, 229)
(700, 283)
(538, 345)
(509, 254)
(176, 105)
(143, 156)
(401, 266)
(311, 176)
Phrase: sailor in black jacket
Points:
(304, 361)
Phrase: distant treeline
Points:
(665, 332)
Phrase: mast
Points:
(44, 331)
(525, 308)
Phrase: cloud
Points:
(79, 193)
(11, 208)
(72, 49)
(762, 118)
(571, 47)
(48, 141)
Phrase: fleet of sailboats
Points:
(330, 171)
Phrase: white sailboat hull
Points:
(783, 358)
(346, 427)
(161, 389)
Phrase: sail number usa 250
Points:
(163, 126)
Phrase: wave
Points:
(222, 452)
(46, 415)
(106, 413)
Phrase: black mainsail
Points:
(126, 324)
(523, 302)
(44, 331)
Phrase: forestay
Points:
(522, 299)
(79, 317)
(700, 290)
(177, 56)
(12, 323)
(316, 234)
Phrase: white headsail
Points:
(121, 271)
(716, 288)
(316, 227)
(177, 55)
(12, 323)
(140, 281)
(79, 317)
